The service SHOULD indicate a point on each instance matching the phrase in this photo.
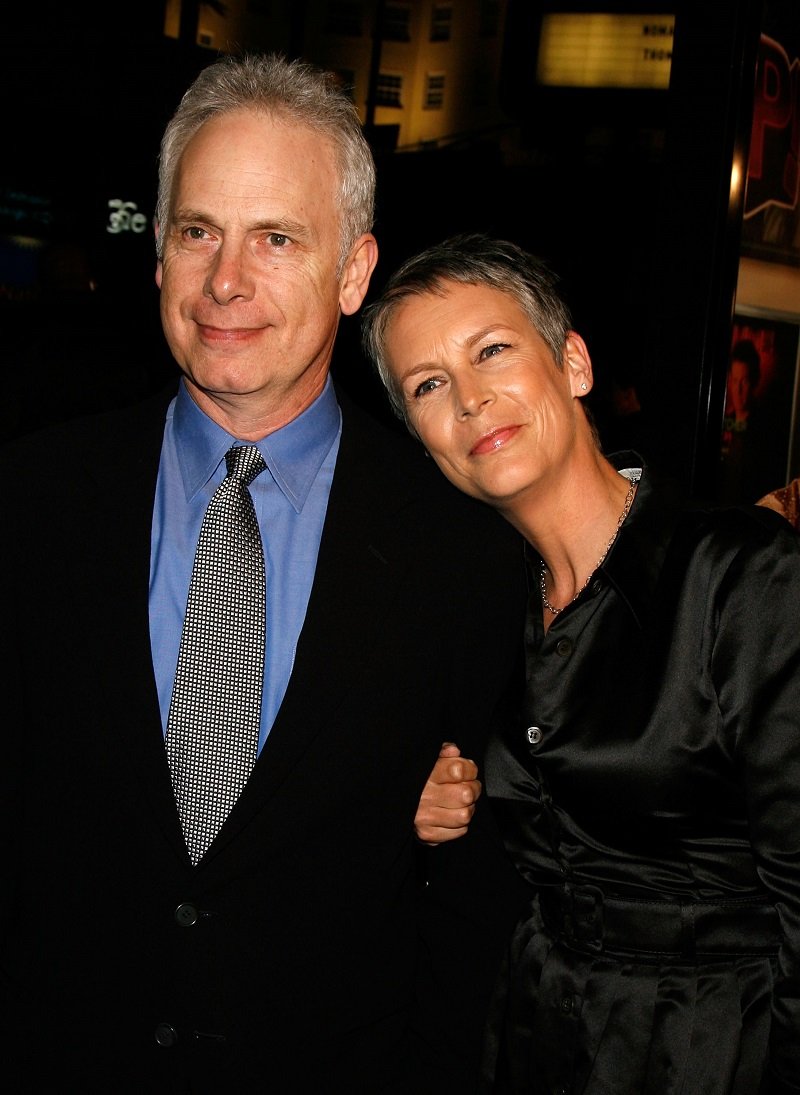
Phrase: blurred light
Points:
(737, 178)
(603, 50)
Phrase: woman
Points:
(649, 790)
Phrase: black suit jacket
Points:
(317, 946)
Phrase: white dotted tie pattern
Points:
(214, 715)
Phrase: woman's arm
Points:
(757, 669)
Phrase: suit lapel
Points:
(123, 491)
(362, 559)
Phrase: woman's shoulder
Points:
(745, 522)
(729, 542)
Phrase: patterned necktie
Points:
(214, 715)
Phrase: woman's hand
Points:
(448, 798)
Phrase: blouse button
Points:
(534, 735)
(597, 585)
(564, 648)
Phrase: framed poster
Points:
(771, 226)
(760, 447)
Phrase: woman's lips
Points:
(493, 441)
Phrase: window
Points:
(389, 90)
(344, 18)
(441, 20)
(397, 23)
(434, 91)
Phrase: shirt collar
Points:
(293, 454)
(634, 563)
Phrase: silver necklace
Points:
(542, 570)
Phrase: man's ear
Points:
(357, 272)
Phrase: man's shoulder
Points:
(379, 461)
(390, 456)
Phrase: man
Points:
(304, 941)
(750, 460)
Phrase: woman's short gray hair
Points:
(294, 91)
(471, 259)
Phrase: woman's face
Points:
(482, 391)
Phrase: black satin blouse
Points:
(650, 793)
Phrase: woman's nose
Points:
(473, 395)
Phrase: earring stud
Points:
(583, 385)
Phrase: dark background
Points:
(626, 193)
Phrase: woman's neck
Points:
(572, 521)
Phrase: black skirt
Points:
(617, 997)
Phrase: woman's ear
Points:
(578, 365)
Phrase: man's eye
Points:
(425, 387)
(194, 232)
(276, 239)
(493, 350)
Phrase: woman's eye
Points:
(425, 387)
(493, 350)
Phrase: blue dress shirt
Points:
(290, 500)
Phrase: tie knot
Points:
(244, 462)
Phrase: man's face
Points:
(740, 389)
(250, 297)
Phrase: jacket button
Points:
(186, 915)
(566, 1004)
(166, 1035)
(534, 735)
(564, 648)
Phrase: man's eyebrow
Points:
(282, 226)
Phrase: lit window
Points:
(397, 23)
(389, 90)
(441, 19)
(434, 91)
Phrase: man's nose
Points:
(229, 276)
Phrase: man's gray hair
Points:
(292, 91)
